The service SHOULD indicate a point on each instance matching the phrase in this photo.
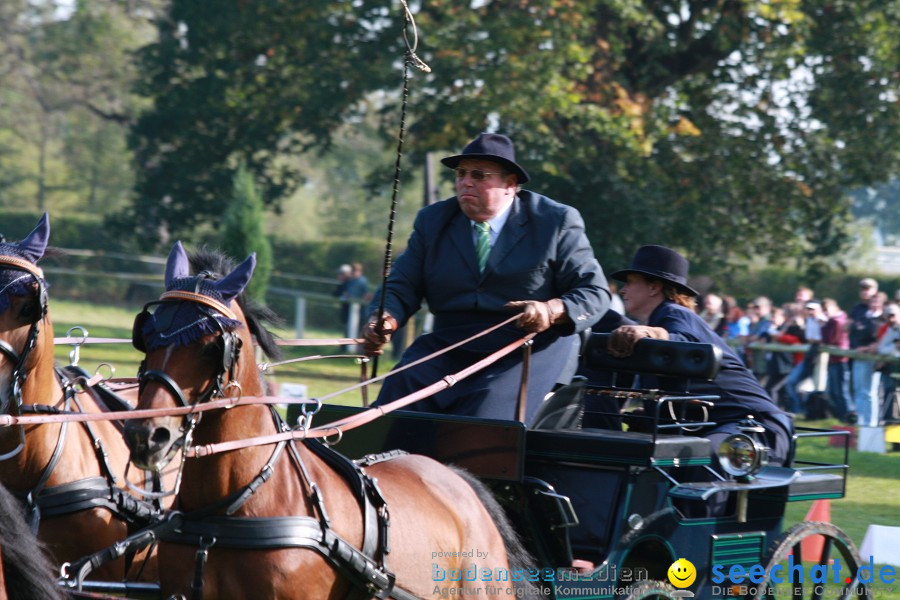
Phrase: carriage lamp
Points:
(742, 456)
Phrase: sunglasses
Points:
(477, 174)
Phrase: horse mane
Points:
(26, 568)
(218, 264)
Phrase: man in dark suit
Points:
(476, 259)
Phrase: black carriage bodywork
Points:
(629, 502)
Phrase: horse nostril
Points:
(160, 436)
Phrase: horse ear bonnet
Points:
(15, 282)
(181, 323)
(177, 265)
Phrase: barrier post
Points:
(299, 316)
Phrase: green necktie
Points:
(482, 244)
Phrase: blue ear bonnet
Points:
(179, 324)
(14, 282)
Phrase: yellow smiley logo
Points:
(682, 573)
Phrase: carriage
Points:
(608, 490)
(633, 500)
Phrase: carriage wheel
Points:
(651, 590)
(836, 546)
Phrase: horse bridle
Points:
(20, 357)
(231, 347)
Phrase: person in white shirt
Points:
(815, 318)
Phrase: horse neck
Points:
(208, 479)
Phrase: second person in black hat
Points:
(489, 252)
(658, 297)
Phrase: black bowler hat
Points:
(659, 262)
(494, 147)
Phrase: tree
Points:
(243, 232)
(65, 102)
(252, 83)
(728, 129)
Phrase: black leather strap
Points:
(94, 492)
(288, 532)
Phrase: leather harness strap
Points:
(82, 494)
(288, 532)
(365, 567)
(93, 492)
(199, 299)
(23, 264)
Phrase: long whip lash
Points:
(409, 57)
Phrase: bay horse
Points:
(69, 475)
(288, 520)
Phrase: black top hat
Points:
(494, 147)
(659, 262)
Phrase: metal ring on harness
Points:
(338, 433)
(75, 352)
(112, 371)
(233, 384)
(310, 413)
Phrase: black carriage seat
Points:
(565, 408)
(688, 360)
(576, 444)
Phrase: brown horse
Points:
(70, 475)
(253, 518)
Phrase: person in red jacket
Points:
(834, 333)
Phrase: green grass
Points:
(872, 486)
(872, 489)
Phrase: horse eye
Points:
(211, 350)
(28, 310)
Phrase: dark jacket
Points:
(739, 391)
(542, 253)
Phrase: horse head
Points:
(23, 310)
(197, 349)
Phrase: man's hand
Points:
(378, 333)
(623, 339)
(538, 316)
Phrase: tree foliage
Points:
(243, 232)
(65, 101)
(250, 82)
(729, 129)
(880, 205)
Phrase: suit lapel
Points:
(510, 235)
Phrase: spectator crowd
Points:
(859, 390)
